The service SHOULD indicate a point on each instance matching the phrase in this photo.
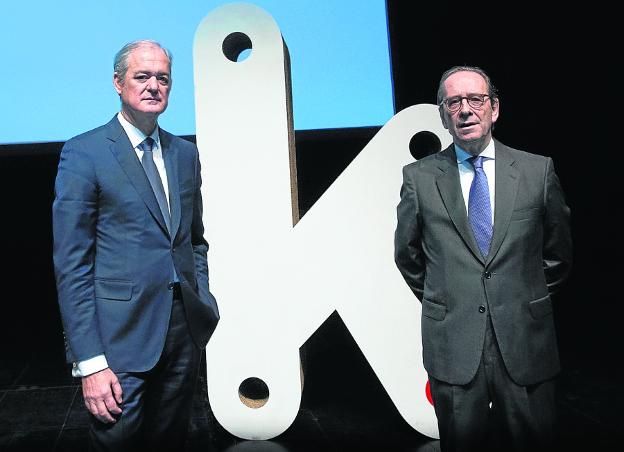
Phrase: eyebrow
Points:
(151, 73)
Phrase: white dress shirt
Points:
(136, 137)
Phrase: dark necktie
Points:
(479, 208)
(154, 177)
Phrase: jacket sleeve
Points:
(408, 252)
(200, 245)
(74, 217)
(557, 244)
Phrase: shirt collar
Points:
(135, 135)
(462, 155)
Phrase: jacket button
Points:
(170, 286)
(487, 275)
(481, 309)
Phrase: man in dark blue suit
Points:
(131, 263)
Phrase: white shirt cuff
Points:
(89, 366)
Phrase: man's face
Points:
(470, 127)
(145, 88)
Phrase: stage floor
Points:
(41, 409)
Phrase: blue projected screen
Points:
(58, 58)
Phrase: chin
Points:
(152, 111)
(470, 138)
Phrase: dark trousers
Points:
(521, 418)
(157, 404)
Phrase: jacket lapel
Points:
(451, 193)
(506, 189)
(170, 155)
(125, 155)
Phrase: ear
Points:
(495, 110)
(443, 117)
(117, 83)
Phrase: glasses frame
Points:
(461, 101)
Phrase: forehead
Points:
(148, 57)
(465, 82)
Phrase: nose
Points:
(465, 108)
(152, 84)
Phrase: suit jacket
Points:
(530, 255)
(114, 258)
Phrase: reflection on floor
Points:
(344, 407)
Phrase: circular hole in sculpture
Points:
(237, 47)
(253, 392)
(423, 144)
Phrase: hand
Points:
(102, 395)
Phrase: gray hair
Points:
(120, 64)
(492, 92)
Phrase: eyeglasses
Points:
(453, 104)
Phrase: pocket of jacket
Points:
(526, 214)
(433, 310)
(113, 289)
(540, 307)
